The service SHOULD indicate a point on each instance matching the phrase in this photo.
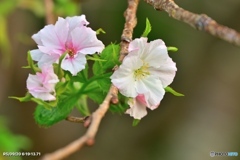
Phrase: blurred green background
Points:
(182, 128)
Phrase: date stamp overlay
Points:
(226, 154)
(20, 154)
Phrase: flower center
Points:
(71, 53)
(141, 72)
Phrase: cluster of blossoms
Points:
(69, 36)
(143, 75)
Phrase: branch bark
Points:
(50, 19)
(200, 22)
(96, 117)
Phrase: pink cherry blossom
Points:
(42, 85)
(143, 75)
(71, 36)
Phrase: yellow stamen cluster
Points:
(141, 72)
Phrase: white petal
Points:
(137, 109)
(156, 53)
(166, 72)
(123, 77)
(155, 90)
(74, 65)
(84, 40)
(137, 44)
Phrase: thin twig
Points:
(88, 137)
(50, 19)
(198, 21)
(77, 119)
(96, 117)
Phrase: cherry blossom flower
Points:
(143, 75)
(71, 36)
(42, 85)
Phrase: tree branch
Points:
(77, 119)
(126, 37)
(96, 117)
(198, 21)
(49, 11)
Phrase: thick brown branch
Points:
(49, 11)
(198, 21)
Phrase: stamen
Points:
(141, 72)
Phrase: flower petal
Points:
(36, 54)
(76, 21)
(123, 77)
(75, 64)
(152, 89)
(84, 40)
(137, 44)
(61, 29)
(46, 59)
(137, 109)
(166, 72)
(50, 38)
(156, 53)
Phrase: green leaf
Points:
(47, 105)
(31, 64)
(110, 54)
(175, 93)
(100, 30)
(22, 99)
(82, 106)
(95, 59)
(148, 28)
(135, 122)
(174, 49)
(49, 116)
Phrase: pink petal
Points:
(85, 41)
(61, 29)
(50, 38)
